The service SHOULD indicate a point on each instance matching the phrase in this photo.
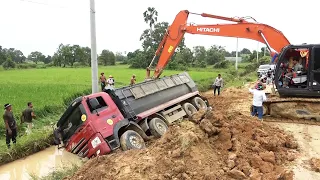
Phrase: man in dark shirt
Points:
(27, 116)
(10, 124)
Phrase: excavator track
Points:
(296, 121)
(292, 110)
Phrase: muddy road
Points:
(307, 137)
(309, 145)
(235, 146)
(228, 144)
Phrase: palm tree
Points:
(150, 17)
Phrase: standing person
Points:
(27, 116)
(218, 83)
(10, 124)
(133, 80)
(110, 83)
(102, 80)
(258, 97)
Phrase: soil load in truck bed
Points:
(144, 96)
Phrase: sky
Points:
(41, 25)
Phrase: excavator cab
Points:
(298, 71)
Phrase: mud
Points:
(38, 164)
(307, 164)
(224, 145)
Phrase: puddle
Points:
(39, 164)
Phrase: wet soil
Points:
(226, 144)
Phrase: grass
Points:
(40, 138)
(58, 174)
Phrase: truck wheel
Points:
(199, 103)
(131, 140)
(157, 127)
(189, 109)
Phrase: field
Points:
(50, 89)
(49, 86)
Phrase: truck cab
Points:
(298, 71)
(87, 126)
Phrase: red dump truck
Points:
(102, 122)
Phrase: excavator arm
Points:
(273, 38)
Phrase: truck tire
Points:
(199, 103)
(131, 140)
(157, 127)
(189, 109)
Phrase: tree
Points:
(120, 58)
(3, 56)
(245, 51)
(36, 57)
(150, 43)
(150, 17)
(47, 60)
(215, 54)
(8, 64)
(107, 58)
(200, 54)
(181, 60)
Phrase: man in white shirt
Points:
(218, 83)
(110, 83)
(258, 97)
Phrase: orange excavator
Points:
(297, 73)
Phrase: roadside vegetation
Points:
(60, 173)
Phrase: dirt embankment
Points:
(224, 145)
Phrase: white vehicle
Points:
(263, 69)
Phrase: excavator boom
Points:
(273, 38)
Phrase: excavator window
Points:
(294, 69)
(316, 65)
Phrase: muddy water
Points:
(309, 142)
(39, 164)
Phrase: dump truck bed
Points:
(149, 94)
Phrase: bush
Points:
(26, 66)
(41, 66)
(77, 64)
(9, 64)
(222, 64)
(50, 64)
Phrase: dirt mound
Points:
(315, 164)
(223, 145)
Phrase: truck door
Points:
(105, 114)
(314, 69)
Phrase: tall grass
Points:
(58, 174)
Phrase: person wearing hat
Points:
(258, 97)
(10, 124)
(102, 81)
(110, 83)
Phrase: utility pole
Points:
(258, 52)
(94, 62)
(237, 55)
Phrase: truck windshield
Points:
(72, 122)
